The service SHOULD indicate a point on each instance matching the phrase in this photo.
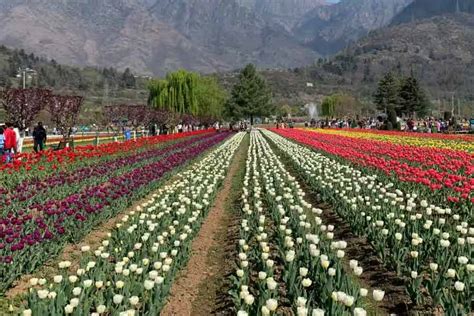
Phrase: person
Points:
(2, 144)
(127, 133)
(39, 137)
(19, 139)
(153, 129)
(10, 142)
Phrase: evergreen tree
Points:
(412, 97)
(250, 97)
(386, 96)
(128, 79)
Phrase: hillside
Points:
(438, 50)
(424, 9)
(328, 29)
(99, 86)
(156, 36)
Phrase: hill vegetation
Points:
(439, 51)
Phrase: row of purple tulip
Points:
(44, 231)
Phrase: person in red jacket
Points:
(10, 141)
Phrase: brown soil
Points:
(196, 291)
(375, 275)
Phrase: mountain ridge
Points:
(157, 36)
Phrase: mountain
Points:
(438, 50)
(155, 36)
(423, 9)
(234, 32)
(328, 29)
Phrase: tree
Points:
(250, 97)
(386, 96)
(210, 97)
(64, 112)
(328, 107)
(340, 104)
(138, 114)
(412, 97)
(23, 105)
(128, 80)
(176, 93)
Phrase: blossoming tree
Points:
(64, 112)
(22, 106)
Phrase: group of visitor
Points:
(425, 125)
(8, 141)
(11, 140)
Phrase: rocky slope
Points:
(439, 51)
(328, 29)
(154, 36)
(424, 9)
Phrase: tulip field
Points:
(306, 200)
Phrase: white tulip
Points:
(451, 273)
(117, 299)
(353, 263)
(459, 286)
(134, 300)
(58, 278)
(317, 312)
(101, 309)
(249, 299)
(27, 312)
(378, 295)
(306, 282)
(74, 302)
(303, 272)
(148, 284)
(76, 291)
(68, 309)
(265, 311)
(271, 304)
(360, 312)
(42, 294)
(33, 281)
(463, 260)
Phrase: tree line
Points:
(22, 106)
(401, 96)
(50, 74)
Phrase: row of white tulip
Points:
(255, 259)
(133, 269)
(428, 244)
(316, 282)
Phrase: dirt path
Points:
(196, 290)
